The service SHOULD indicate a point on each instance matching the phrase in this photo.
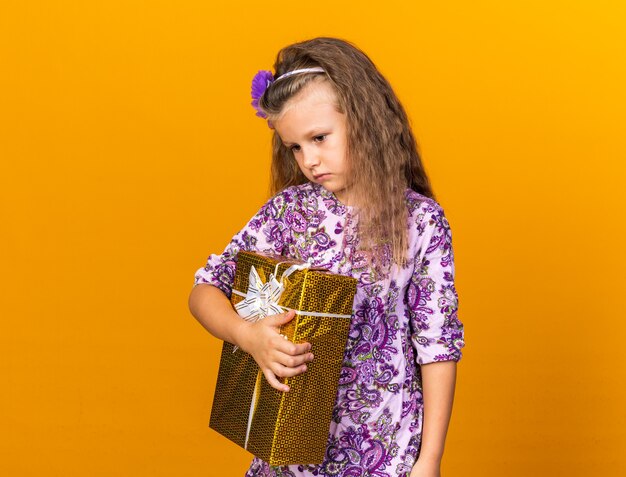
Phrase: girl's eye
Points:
(319, 138)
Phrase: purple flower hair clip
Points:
(261, 81)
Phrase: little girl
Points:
(351, 195)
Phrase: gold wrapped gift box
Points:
(292, 427)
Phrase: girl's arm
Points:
(275, 356)
(438, 382)
(215, 313)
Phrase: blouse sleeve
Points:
(436, 332)
(264, 233)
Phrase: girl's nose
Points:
(310, 157)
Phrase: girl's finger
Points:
(290, 361)
(286, 372)
(275, 383)
(293, 349)
(280, 319)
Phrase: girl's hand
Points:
(426, 468)
(276, 356)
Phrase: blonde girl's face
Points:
(315, 131)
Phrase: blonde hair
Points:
(381, 148)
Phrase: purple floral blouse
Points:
(404, 321)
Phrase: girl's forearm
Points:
(213, 310)
(438, 382)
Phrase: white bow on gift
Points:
(261, 299)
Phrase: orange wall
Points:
(129, 152)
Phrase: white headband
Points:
(316, 69)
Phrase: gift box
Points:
(292, 427)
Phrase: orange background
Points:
(129, 152)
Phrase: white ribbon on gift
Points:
(261, 301)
